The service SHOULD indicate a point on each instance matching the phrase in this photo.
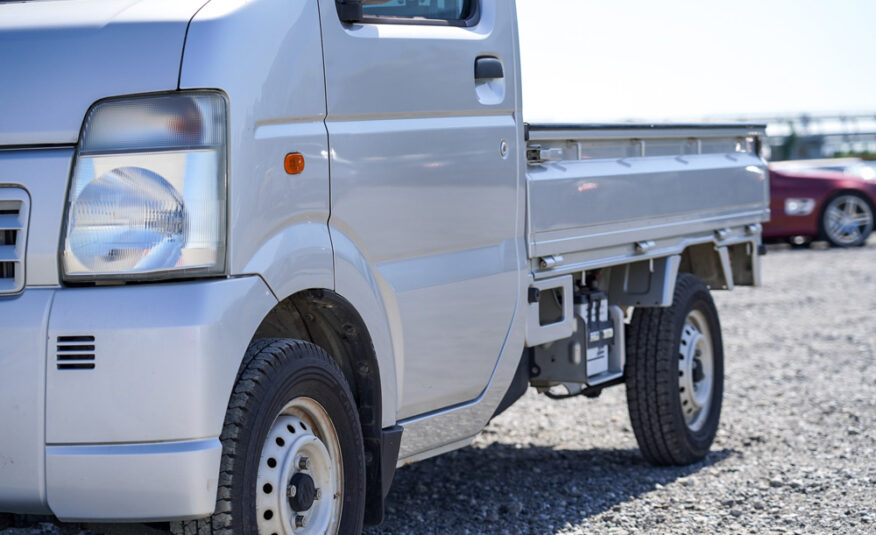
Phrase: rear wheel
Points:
(675, 375)
(293, 459)
(847, 220)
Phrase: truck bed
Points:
(603, 195)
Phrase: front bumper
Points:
(134, 482)
(135, 437)
(23, 324)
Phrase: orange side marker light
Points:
(294, 163)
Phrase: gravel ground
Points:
(794, 453)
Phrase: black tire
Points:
(655, 377)
(800, 242)
(274, 373)
(849, 234)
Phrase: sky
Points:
(675, 60)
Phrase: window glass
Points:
(424, 9)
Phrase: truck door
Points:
(423, 131)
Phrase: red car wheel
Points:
(847, 220)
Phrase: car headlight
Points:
(147, 195)
(799, 206)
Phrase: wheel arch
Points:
(326, 319)
(723, 266)
(843, 191)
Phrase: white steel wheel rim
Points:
(302, 443)
(848, 219)
(696, 370)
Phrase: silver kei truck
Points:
(254, 255)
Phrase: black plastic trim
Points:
(349, 11)
(76, 366)
(390, 446)
(488, 68)
(82, 338)
(39, 146)
(519, 384)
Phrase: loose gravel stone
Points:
(794, 453)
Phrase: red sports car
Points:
(809, 204)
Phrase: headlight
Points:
(799, 206)
(147, 197)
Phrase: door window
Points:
(433, 10)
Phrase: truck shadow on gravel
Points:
(528, 489)
(501, 488)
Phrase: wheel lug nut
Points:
(304, 463)
(318, 494)
(300, 521)
(292, 491)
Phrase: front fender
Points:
(298, 257)
(373, 299)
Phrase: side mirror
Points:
(349, 10)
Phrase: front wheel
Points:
(847, 220)
(675, 375)
(293, 459)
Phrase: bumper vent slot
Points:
(75, 352)
(13, 231)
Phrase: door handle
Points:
(488, 68)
